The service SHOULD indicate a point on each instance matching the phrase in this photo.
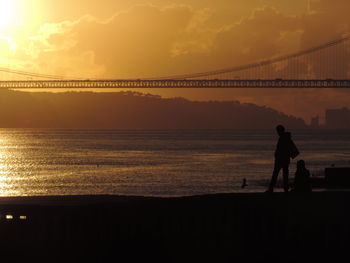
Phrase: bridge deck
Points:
(215, 83)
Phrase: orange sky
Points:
(136, 38)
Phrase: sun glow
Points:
(8, 14)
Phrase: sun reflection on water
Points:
(8, 183)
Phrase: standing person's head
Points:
(280, 129)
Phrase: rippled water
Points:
(156, 163)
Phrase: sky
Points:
(137, 39)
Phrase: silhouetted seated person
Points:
(285, 150)
(302, 182)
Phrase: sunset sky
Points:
(138, 38)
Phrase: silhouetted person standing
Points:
(302, 182)
(282, 158)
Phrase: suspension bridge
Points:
(323, 66)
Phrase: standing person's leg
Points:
(275, 173)
(285, 176)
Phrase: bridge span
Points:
(322, 66)
(138, 83)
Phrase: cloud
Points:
(148, 40)
(266, 33)
(151, 41)
(142, 41)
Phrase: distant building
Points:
(315, 122)
(338, 118)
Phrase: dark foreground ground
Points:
(216, 228)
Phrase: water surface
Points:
(152, 163)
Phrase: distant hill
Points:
(131, 110)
